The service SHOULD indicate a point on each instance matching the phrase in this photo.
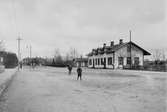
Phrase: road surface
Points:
(53, 90)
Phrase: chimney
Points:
(112, 43)
(120, 41)
(104, 45)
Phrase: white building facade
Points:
(122, 55)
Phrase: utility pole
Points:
(130, 50)
(30, 56)
(30, 51)
(19, 57)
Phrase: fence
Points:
(149, 67)
(162, 68)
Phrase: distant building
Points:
(122, 55)
(83, 62)
(2, 55)
(1, 60)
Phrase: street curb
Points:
(6, 83)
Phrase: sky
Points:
(47, 25)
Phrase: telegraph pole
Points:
(19, 57)
(30, 51)
(130, 50)
(30, 56)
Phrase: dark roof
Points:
(111, 49)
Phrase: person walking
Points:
(21, 65)
(79, 72)
(69, 69)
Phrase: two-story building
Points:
(115, 56)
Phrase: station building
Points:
(121, 55)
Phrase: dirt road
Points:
(53, 90)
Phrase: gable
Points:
(134, 46)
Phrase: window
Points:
(136, 59)
(95, 61)
(128, 48)
(104, 61)
(120, 60)
(90, 61)
(101, 61)
(128, 60)
(110, 61)
(98, 61)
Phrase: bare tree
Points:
(67, 57)
(73, 53)
(163, 55)
(56, 53)
(158, 55)
(58, 60)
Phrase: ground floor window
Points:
(90, 61)
(98, 61)
(120, 60)
(101, 61)
(110, 61)
(136, 60)
(104, 62)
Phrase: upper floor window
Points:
(128, 60)
(120, 60)
(128, 48)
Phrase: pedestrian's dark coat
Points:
(79, 71)
(69, 68)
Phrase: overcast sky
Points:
(81, 24)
